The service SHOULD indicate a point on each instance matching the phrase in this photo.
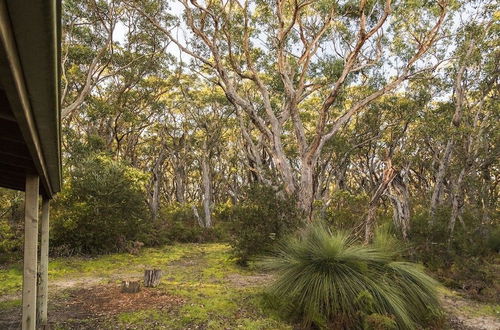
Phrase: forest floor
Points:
(201, 288)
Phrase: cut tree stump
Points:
(152, 277)
(131, 286)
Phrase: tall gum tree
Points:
(273, 57)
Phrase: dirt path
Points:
(468, 315)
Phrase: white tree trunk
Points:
(207, 187)
(180, 186)
(156, 182)
(400, 199)
(438, 186)
(306, 190)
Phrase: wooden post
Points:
(30, 251)
(44, 265)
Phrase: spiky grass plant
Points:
(328, 280)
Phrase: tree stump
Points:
(131, 286)
(152, 277)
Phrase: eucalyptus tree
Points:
(290, 66)
(475, 76)
(88, 28)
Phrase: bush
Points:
(467, 262)
(259, 220)
(11, 225)
(329, 281)
(102, 208)
(178, 224)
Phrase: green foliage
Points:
(345, 210)
(11, 279)
(259, 220)
(379, 322)
(101, 209)
(328, 280)
(493, 242)
(467, 262)
(178, 224)
(9, 241)
(11, 224)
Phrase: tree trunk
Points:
(180, 186)
(400, 199)
(156, 180)
(306, 190)
(207, 187)
(197, 216)
(388, 176)
(131, 286)
(457, 203)
(152, 277)
(370, 222)
(438, 186)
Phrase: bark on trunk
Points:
(306, 190)
(438, 186)
(456, 203)
(180, 186)
(455, 122)
(207, 188)
(152, 277)
(400, 199)
(370, 222)
(197, 216)
(131, 286)
(388, 176)
(156, 181)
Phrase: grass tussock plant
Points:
(328, 280)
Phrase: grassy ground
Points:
(201, 289)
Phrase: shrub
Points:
(259, 220)
(179, 224)
(468, 261)
(102, 208)
(329, 281)
(11, 225)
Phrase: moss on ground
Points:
(9, 304)
(213, 292)
(213, 289)
(212, 300)
(11, 279)
(483, 310)
(101, 266)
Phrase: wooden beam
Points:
(11, 148)
(11, 160)
(10, 131)
(30, 251)
(44, 266)
(13, 82)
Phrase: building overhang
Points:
(30, 130)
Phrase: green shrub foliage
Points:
(327, 280)
(178, 224)
(102, 208)
(468, 261)
(259, 220)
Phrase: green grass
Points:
(11, 279)
(479, 310)
(203, 275)
(102, 266)
(9, 304)
(212, 300)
